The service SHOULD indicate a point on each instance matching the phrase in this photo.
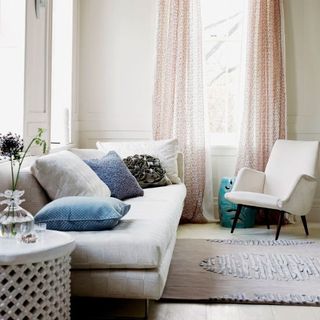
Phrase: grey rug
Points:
(245, 271)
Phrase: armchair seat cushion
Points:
(254, 199)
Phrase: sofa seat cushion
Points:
(141, 238)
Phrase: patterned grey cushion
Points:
(82, 213)
(114, 173)
(147, 170)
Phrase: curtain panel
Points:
(265, 108)
(178, 106)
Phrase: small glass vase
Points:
(14, 218)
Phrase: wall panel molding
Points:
(88, 139)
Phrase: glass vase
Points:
(14, 218)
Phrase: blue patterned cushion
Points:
(115, 174)
(82, 213)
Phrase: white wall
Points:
(117, 53)
(302, 24)
(117, 58)
(303, 68)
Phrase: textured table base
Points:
(36, 291)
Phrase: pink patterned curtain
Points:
(178, 107)
(264, 118)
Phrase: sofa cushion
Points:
(165, 150)
(115, 174)
(86, 154)
(34, 195)
(142, 238)
(82, 213)
(64, 174)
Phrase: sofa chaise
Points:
(133, 259)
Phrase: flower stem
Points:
(12, 174)
(20, 164)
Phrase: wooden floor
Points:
(202, 311)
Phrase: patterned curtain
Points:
(178, 106)
(265, 109)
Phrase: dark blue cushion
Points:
(82, 213)
(115, 174)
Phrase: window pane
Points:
(12, 49)
(61, 82)
(223, 39)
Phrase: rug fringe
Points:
(294, 299)
(262, 242)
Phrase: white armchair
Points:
(288, 183)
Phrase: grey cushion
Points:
(114, 173)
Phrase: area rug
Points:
(244, 271)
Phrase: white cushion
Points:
(165, 150)
(254, 199)
(64, 174)
(87, 154)
(142, 237)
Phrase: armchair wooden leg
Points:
(304, 221)
(280, 222)
(236, 217)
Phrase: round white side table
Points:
(35, 278)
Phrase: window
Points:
(61, 81)
(12, 51)
(224, 35)
(36, 63)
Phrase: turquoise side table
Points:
(228, 209)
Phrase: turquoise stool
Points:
(228, 209)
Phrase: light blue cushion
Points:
(82, 213)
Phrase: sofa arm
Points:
(300, 198)
(249, 180)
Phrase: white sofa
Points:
(133, 259)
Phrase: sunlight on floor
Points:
(215, 231)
